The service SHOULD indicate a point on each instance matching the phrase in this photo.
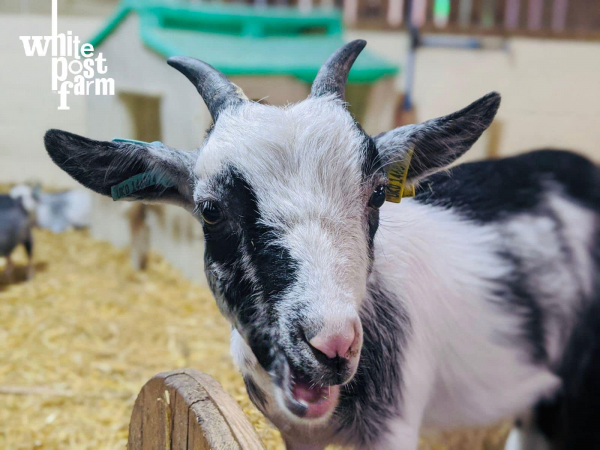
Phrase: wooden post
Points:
(511, 15)
(465, 10)
(488, 11)
(419, 13)
(494, 133)
(305, 5)
(559, 15)
(188, 410)
(350, 11)
(395, 13)
(534, 17)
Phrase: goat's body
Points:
(477, 285)
(14, 225)
(59, 211)
(467, 305)
(15, 229)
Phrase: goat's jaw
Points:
(302, 399)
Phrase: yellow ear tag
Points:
(397, 173)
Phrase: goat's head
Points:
(288, 198)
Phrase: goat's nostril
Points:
(336, 345)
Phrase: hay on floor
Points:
(79, 341)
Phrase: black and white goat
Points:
(57, 211)
(359, 322)
(16, 223)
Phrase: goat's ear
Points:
(125, 170)
(437, 142)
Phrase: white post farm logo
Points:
(82, 64)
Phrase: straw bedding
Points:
(79, 341)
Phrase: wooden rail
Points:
(570, 19)
(578, 19)
(187, 409)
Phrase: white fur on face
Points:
(304, 165)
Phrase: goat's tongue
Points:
(309, 394)
(317, 401)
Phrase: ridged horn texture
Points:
(216, 90)
(333, 75)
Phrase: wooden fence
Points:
(188, 410)
(576, 19)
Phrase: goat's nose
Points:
(336, 344)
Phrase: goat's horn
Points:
(216, 90)
(333, 75)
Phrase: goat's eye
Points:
(377, 198)
(211, 213)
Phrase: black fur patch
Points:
(517, 300)
(581, 374)
(372, 227)
(371, 156)
(369, 167)
(547, 418)
(374, 395)
(255, 393)
(488, 191)
(241, 236)
(570, 419)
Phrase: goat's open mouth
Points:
(305, 399)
